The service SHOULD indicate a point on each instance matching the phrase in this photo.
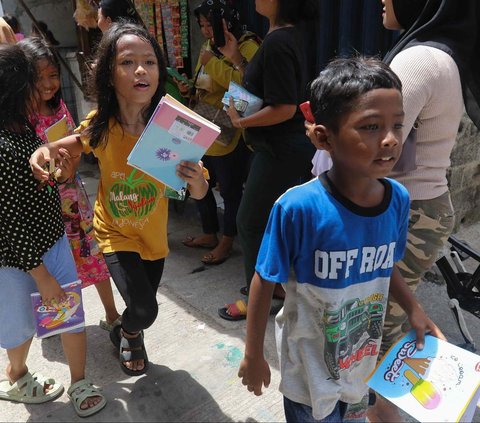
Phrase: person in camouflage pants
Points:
(430, 224)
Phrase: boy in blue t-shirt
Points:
(343, 233)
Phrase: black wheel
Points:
(375, 329)
(332, 365)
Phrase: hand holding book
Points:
(60, 313)
(439, 383)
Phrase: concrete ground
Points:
(194, 354)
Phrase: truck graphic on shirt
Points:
(346, 326)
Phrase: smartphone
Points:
(240, 105)
(175, 74)
(217, 26)
(307, 112)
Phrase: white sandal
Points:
(109, 326)
(30, 389)
(82, 390)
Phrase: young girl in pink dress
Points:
(77, 213)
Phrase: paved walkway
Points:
(194, 354)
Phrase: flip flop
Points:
(29, 389)
(238, 310)
(189, 241)
(82, 390)
(109, 326)
(244, 291)
(235, 311)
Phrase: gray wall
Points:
(57, 14)
(464, 174)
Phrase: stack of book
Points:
(174, 134)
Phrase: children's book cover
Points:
(174, 133)
(61, 317)
(245, 102)
(439, 383)
(58, 130)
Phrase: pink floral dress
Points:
(76, 210)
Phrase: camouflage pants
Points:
(430, 224)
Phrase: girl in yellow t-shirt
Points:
(130, 218)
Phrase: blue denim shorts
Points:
(343, 412)
(17, 323)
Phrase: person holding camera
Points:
(223, 58)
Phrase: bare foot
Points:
(90, 402)
(221, 252)
(201, 241)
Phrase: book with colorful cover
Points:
(245, 102)
(174, 133)
(62, 317)
(440, 383)
(58, 130)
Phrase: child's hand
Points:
(37, 162)
(66, 165)
(421, 324)
(51, 292)
(254, 374)
(48, 287)
(192, 173)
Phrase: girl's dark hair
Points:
(37, 49)
(336, 90)
(231, 15)
(17, 76)
(101, 86)
(12, 21)
(119, 9)
(295, 11)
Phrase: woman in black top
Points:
(278, 74)
(34, 251)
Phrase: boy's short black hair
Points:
(335, 91)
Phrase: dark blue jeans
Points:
(296, 412)
(230, 172)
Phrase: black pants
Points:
(137, 281)
(230, 173)
(269, 177)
